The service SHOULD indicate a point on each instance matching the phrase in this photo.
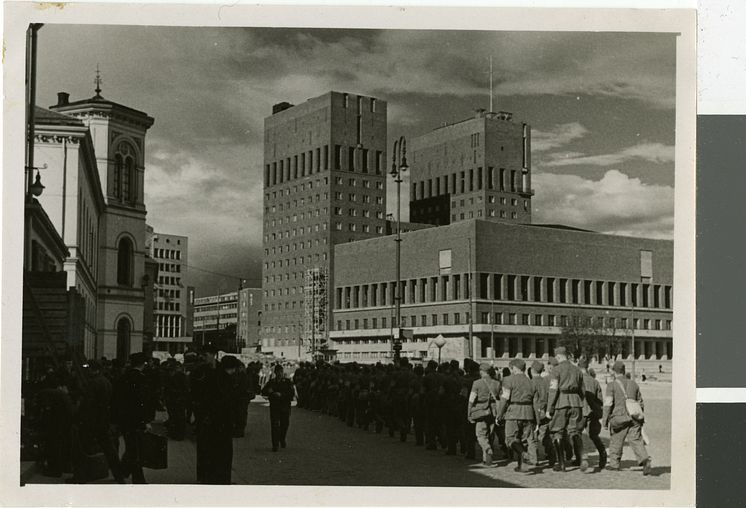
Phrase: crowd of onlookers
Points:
(75, 414)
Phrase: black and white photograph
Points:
(328, 254)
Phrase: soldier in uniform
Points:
(593, 410)
(280, 392)
(482, 408)
(417, 405)
(468, 434)
(565, 409)
(541, 434)
(517, 409)
(620, 424)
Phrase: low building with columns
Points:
(513, 288)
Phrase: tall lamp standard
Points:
(440, 341)
(398, 168)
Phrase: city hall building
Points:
(512, 287)
(486, 281)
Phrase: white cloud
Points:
(650, 152)
(560, 135)
(615, 204)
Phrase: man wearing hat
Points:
(201, 382)
(565, 409)
(593, 410)
(619, 422)
(517, 409)
(133, 414)
(482, 408)
(541, 434)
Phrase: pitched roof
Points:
(48, 117)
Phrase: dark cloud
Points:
(600, 104)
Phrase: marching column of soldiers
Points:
(525, 416)
(522, 415)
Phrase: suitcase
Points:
(154, 451)
(94, 467)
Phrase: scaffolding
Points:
(315, 310)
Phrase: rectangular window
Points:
(337, 157)
(351, 159)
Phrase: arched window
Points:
(117, 183)
(125, 262)
(125, 178)
(124, 329)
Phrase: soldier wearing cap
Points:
(482, 408)
(593, 410)
(517, 400)
(619, 422)
(541, 434)
(565, 409)
(280, 392)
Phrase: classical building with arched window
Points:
(94, 150)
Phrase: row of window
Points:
(353, 227)
(169, 293)
(169, 267)
(506, 287)
(173, 281)
(300, 260)
(303, 230)
(464, 181)
(124, 181)
(480, 213)
(278, 278)
(213, 307)
(171, 306)
(509, 318)
(168, 326)
(296, 246)
(214, 317)
(166, 254)
(87, 233)
(353, 212)
(316, 160)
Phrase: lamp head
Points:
(36, 188)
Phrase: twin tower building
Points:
(476, 272)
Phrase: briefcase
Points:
(154, 451)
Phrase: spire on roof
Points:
(98, 82)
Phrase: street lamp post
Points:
(440, 341)
(398, 168)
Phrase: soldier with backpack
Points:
(623, 416)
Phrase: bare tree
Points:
(586, 335)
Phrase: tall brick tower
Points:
(479, 168)
(324, 184)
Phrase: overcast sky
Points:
(601, 106)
